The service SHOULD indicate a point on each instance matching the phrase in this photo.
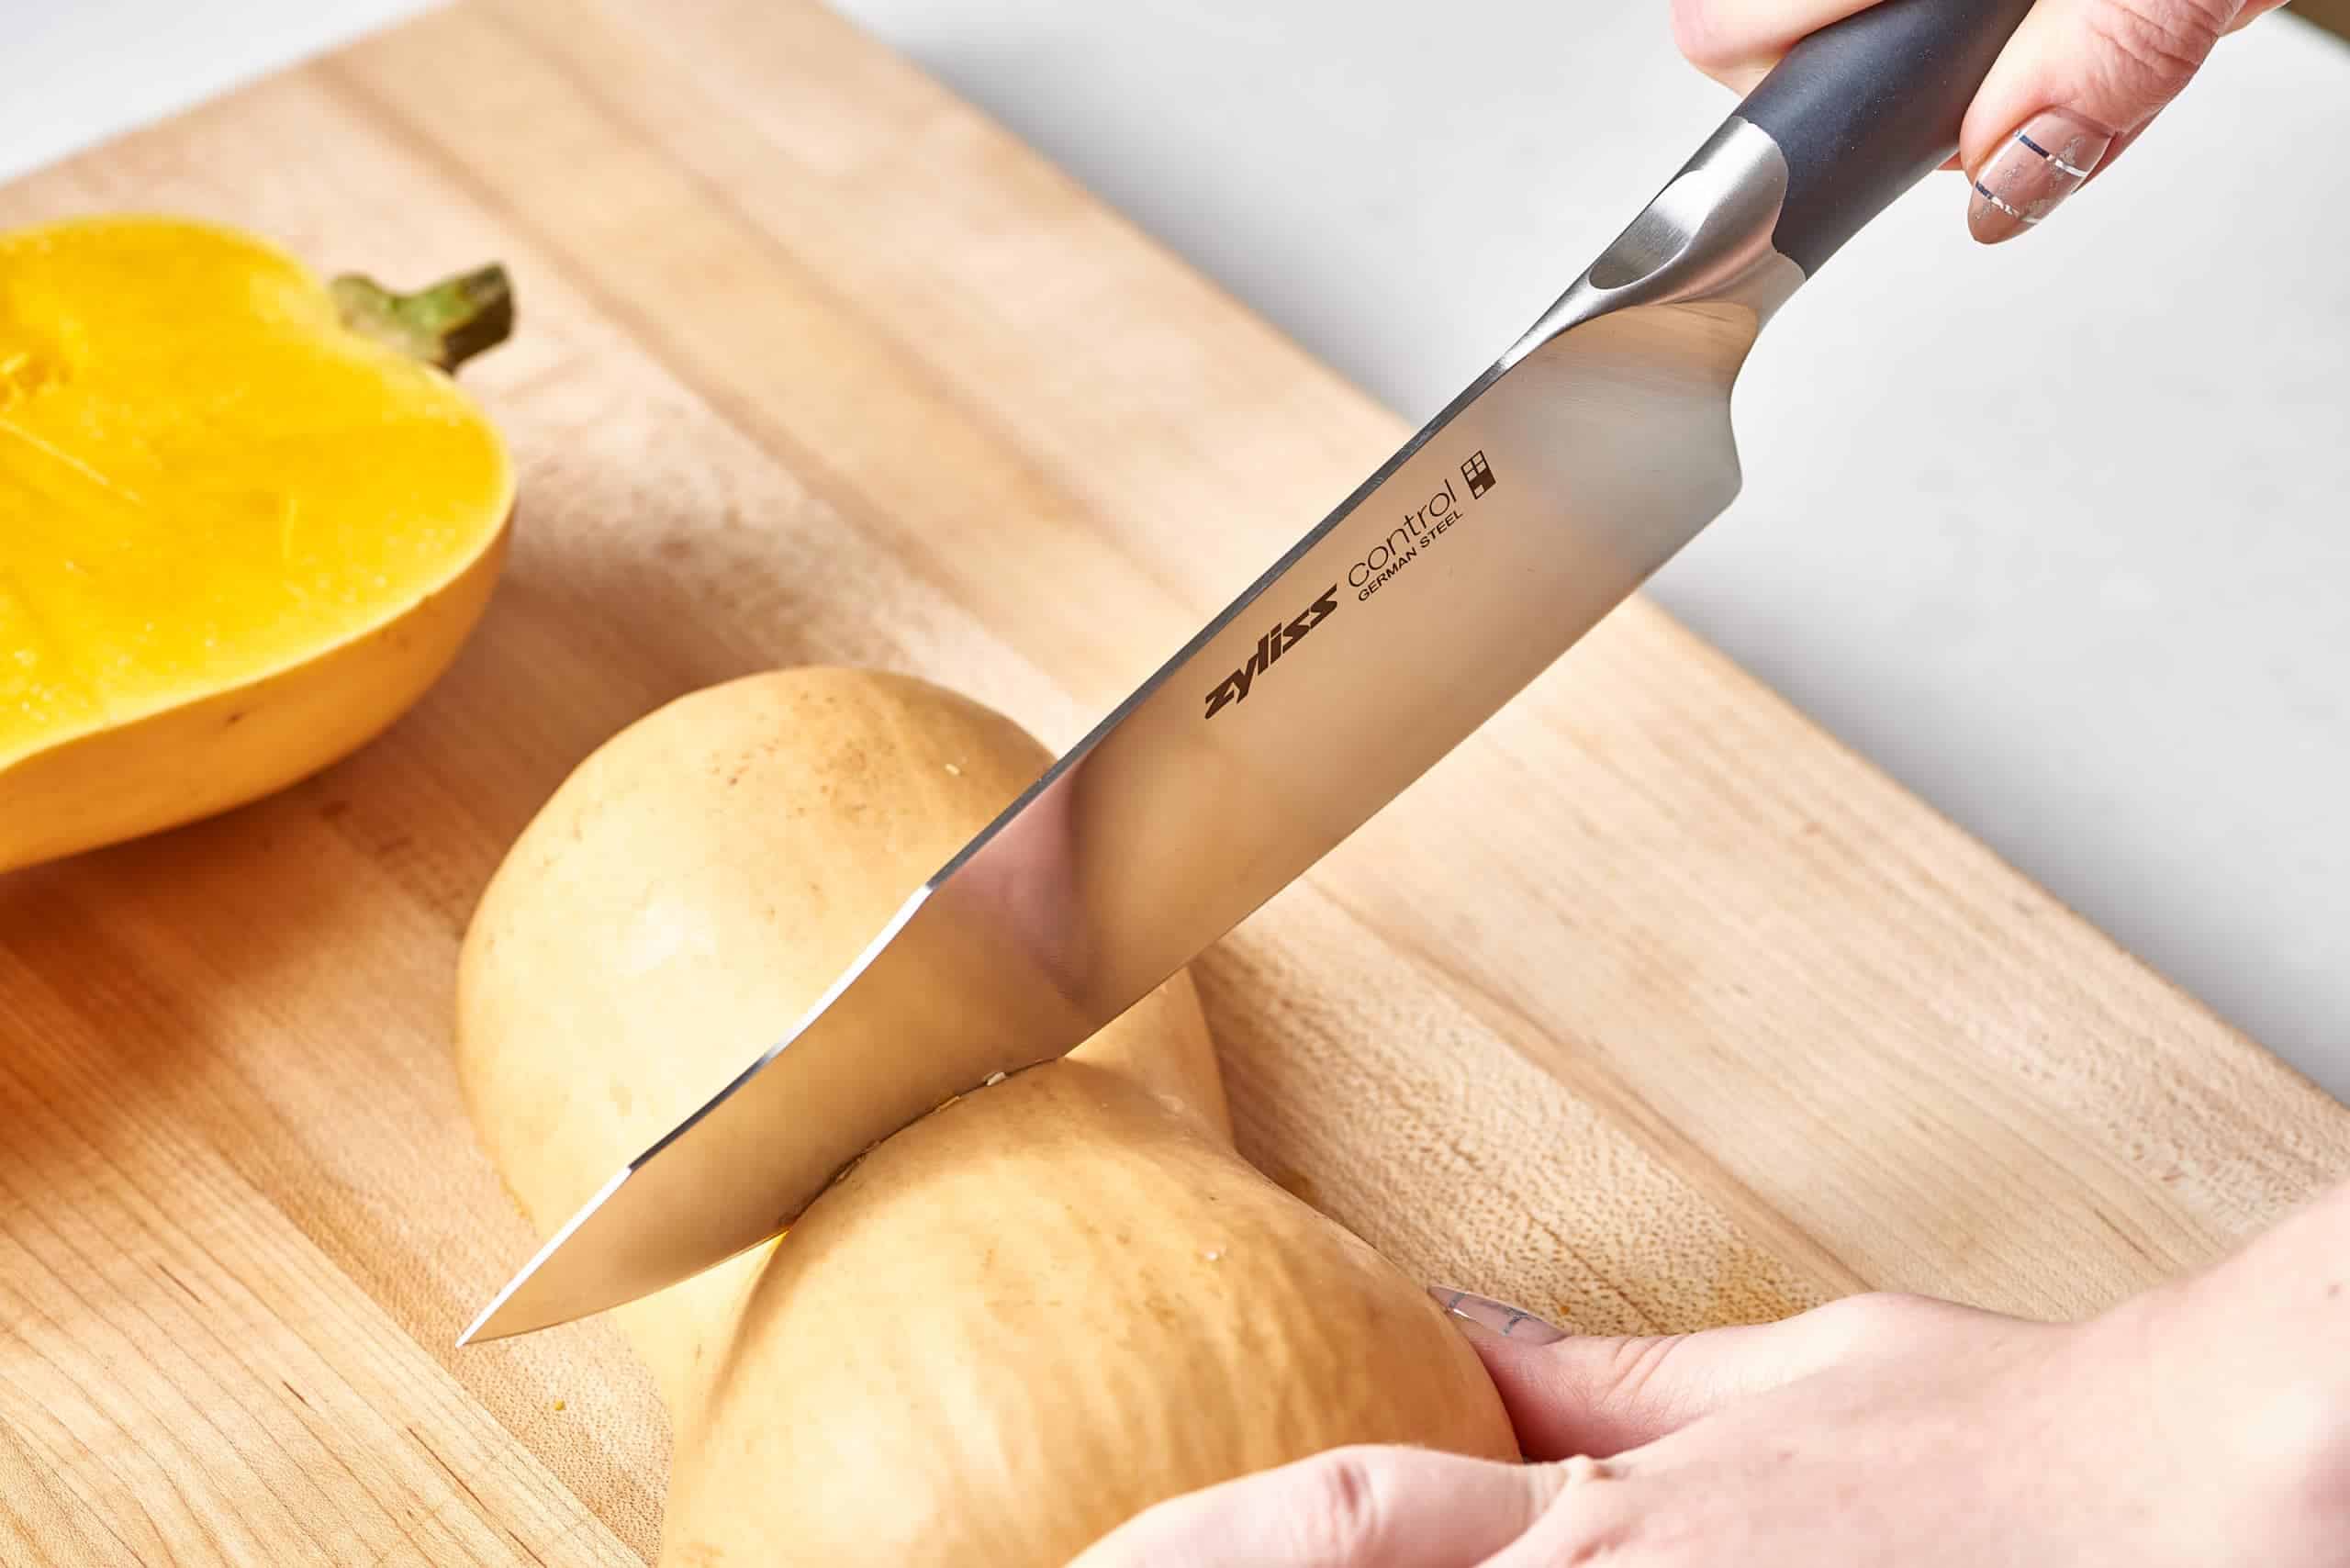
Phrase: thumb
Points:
(1365, 1506)
(2076, 84)
(1600, 1395)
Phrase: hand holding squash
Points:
(2202, 1424)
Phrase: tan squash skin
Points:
(1016, 1323)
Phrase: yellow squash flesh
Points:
(1014, 1323)
(236, 537)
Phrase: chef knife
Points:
(1589, 454)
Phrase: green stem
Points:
(444, 325)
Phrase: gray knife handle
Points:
(1864, 108)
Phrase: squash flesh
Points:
(207, 484)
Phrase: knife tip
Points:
(546, 1299)
(474, 1331)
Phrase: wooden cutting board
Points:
(1650, 1008)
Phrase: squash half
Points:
(246, 519)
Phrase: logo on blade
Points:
(1269, 648)
(1421, 529)
(1480, 475)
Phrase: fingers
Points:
(1352, 1507)
(1601, 1522)
(2078, 81)
(1602, 1396)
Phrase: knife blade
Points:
(1589, 454)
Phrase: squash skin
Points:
(231, 748)
(1014, 1323)
(242, 540)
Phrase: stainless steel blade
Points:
(1546, 492)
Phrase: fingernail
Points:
(2042, 162)
(1496, 1316)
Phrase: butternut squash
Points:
(245, 519)
(1014, 1323)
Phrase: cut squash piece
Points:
(246, 519)
(1012, 1325)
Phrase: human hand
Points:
(2079, 82)
(2205, 1424)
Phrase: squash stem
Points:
(444, 325)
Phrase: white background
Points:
(2058, 534)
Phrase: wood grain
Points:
(1650, 1008)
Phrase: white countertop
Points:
(2059, 535)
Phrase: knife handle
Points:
(1866, 107)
